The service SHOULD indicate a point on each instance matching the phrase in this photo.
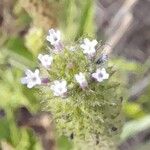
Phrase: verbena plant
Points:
(77, 85)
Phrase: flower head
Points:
(100, 75)
(59, 88)
(89, 47)
(80, 78)
(53, 37)
(46, 60)
(31, 79)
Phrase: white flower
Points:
(46, 60)
(100, 75)
(80, 78)
(53, 37)
(59, 88)
(89, 47)
(31, 79)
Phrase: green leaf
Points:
(16, 45)
(4, 129)
(135, 126)
(64, 143)
(86, 21)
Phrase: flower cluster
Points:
(79, 74)
(59, 87)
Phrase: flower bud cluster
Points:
(78, 87)
(59, 87)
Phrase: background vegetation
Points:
(23, 27)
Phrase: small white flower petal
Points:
(37, 72)
(24, 80)
(28, 72)
(94, 43)
(89, 47)
(40, 56)
(58, 34)
(100, 75)
(46, 60)
(106, 76)
(38, 81)
(30, 85)
(32, 78)
(80, 78)
(56, 82)
(103, 70)
(99, 79)
(52, 87)
(83, 46)
(94, 75)
(53, 37)
(86, 41)
(48, 38)
(59, 88)
(64, 83)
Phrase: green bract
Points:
(66, 64)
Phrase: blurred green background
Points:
(23, 28)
